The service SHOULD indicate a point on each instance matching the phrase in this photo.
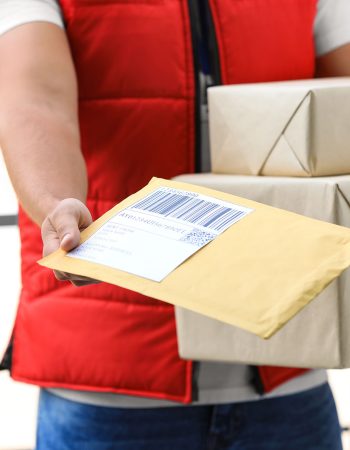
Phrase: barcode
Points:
(194, 210)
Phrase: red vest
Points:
(134, 60)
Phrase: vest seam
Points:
(142, 303)
(116, 3)
(92, 388)
(129, 98)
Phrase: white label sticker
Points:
(156, 234)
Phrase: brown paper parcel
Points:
(256, 275)
(319, 336)
(297, 128)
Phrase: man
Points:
(108, 356)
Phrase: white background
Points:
(18, 402)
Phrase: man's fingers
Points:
(60, 276)
(84, 283)
(77, 280)
(62, 227)
(50, 245)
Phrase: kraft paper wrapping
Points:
(256, 275)
(319, 336)
(274, 129)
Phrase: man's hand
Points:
(62, 228)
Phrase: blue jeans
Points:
(303, 421)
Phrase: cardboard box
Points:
(297, 128)
(319, 336)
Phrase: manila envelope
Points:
(297, 128)
(256, 275)
(319, 336)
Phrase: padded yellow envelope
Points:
(256, 275)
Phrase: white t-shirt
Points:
(332, 24)
(217, 382)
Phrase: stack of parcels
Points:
(232, 259)
(297, 135)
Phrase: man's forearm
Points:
(39, 132)
(43, 159)
(335, 63)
